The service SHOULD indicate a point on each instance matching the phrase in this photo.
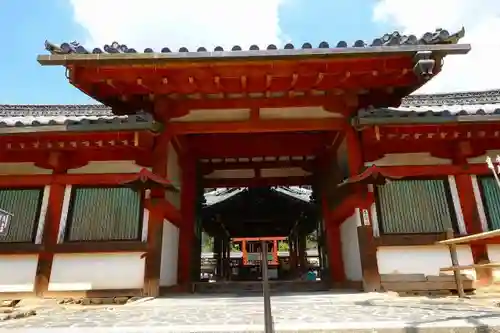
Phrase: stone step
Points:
(254, 287)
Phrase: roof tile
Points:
(440, 36)
(434, 105)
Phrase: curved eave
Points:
(127, 59)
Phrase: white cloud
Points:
(478, 70)
(174, 23)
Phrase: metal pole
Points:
(268, 316)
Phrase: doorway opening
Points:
(236, 221)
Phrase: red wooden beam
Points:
(90, 154)
(435, 170)
(209, 167)
(262, 145)
(256, 103)
(70, 179)
(252, 239)
(262, 126)
(257, 182)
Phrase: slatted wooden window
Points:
(25, 206)
(490, 193)
(104, 214)
(415, 206)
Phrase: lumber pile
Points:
(420, 284)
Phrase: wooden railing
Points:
(452, 243)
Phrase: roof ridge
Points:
(396, 38)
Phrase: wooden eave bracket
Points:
(146, 179)
(424, 65)
(372, 175)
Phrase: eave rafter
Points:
(431, 132)
(76, 149)
(36, 141)
(452, 141)
(246, 77)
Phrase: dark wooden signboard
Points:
(5, 218)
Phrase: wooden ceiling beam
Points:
(210, 167)
(257, 182)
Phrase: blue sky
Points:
(27, 24)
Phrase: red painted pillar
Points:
(302, 252)
(354, 152)
(244, 252)
(186, 230)
(333, 246)
(49, 238)
(292, 249)
(275, 252)
(155, 223)
(367, 247)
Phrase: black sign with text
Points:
(5, 218)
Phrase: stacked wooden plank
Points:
(416, 284)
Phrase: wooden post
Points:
(275, 251)
(454, 262)
(244, 251)
(186, 230)
(49, 239)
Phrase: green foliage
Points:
(283, 246)
(207, 242)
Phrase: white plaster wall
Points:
(96, 167)
(493, 251)
(97, 271)
(482, 159)
(479, 203)
(304, 112)
(214, 115)
(169, 254)
(456, 205)
(18, 272)
(409, 159)
(25, 168)
(350, 247)
(426, 259)
(43, 214)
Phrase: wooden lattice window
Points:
(25, 207)
(104, 214)
(415, 206)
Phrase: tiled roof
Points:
(77, 110)
(19, 118)
(464, 107)
(458, 98)
(438, 106)
(440, 36)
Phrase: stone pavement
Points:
(325, 312)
